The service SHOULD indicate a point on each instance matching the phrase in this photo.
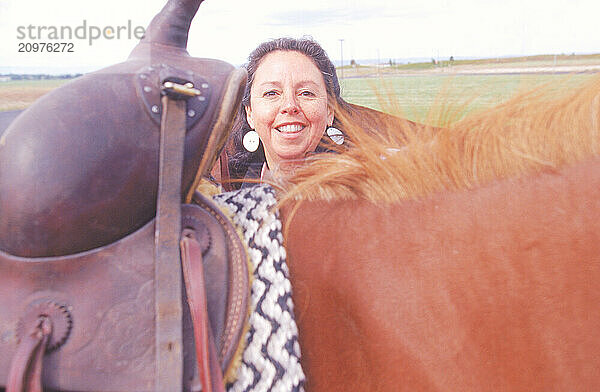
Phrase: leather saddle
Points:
(114, 274)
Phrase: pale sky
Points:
(230, 29)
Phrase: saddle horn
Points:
(79, 168)
(171, 25)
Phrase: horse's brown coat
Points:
(457, 258)
(491, 289)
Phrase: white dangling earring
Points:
(335, 135)
(251, 141)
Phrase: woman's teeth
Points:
(290, 128)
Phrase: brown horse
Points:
(462, 259)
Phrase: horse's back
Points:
(490, 289)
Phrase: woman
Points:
(287, 108)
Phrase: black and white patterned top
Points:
(271, 360)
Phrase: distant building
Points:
(4, 78)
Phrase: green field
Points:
(411, 96)
(434, 98)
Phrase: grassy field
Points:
(16, 95)
(434, 99)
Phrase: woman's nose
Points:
(290, 104)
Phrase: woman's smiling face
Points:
(288, 106)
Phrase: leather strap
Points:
(25, 373)
(167, 272)
(209, 368)
(225, 175)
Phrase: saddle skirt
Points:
(101, 303)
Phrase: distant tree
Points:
(451, 58)
(353, 63)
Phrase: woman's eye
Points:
(270, 93)
(307, 93)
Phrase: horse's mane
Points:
(389, 159)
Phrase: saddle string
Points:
(26, 369)
(209, 368)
